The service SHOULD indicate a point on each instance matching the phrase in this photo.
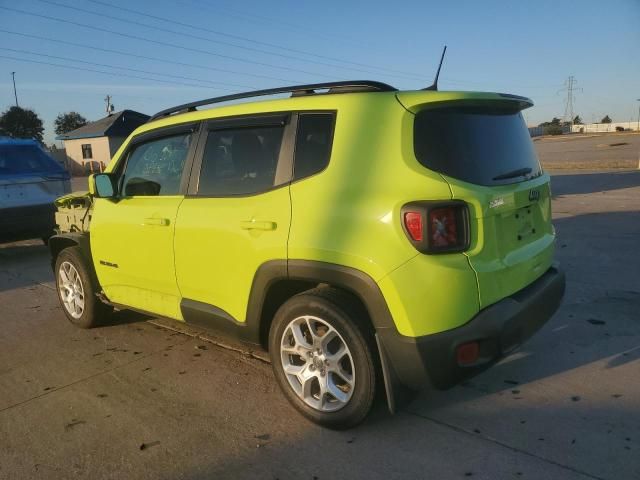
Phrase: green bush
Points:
(553, 130)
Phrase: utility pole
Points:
(638, 100)
(15, 94)
(110, 107)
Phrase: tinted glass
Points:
(155, 167)
(240, 161)
(313, 143)
(25, 159)
(475, 144)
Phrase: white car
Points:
(30, 181)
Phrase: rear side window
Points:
(155, 167)
(240, 161)
(313, 143)
(481, 145)
(26, 159)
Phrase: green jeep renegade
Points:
(369, 238)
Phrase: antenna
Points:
(434, 86)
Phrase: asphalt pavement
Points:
(150, 398)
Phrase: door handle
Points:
(258, 225)
(162, 222)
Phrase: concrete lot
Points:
(137, 400)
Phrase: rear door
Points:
(236, 216)
(132, 234)
(485, 153)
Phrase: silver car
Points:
(30, 181)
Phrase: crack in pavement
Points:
(502, 444)
(204, 338)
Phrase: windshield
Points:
(26, 159)
(481, 145)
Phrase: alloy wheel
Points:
(317, 363)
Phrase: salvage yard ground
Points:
(137, 400)
(590, 151)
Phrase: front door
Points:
(238, 214)
(132, 234)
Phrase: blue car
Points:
(30, 181)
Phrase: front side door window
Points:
(155, 167)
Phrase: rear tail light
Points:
(413, 224)
(436, 226)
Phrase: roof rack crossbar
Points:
(297, 90)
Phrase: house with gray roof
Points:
(91, 147)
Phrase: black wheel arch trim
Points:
(355, 281)
(60, 241)
(312, 272)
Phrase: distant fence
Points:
(60, 154)
(589, 128)
(604, 127)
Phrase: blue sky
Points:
(192, 49)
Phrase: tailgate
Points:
(512, 238)
(481, 146)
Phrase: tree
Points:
(606, 119)
(577, 120)
(66, 122)
(554, 127)
(21, 123)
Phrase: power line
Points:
(188, 35)
(485, 83)
(124, 68)
(250, 40)
(252, 17)
(145, 57)
(69, 67)
(158, 42)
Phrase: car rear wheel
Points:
(77, 289)
(322, 357)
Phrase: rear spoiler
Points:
(414, 101)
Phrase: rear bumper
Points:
(416, 362)
(21, 223)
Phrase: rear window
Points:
(481, 145)
(26, 159)
(313, 143)
(240, 161)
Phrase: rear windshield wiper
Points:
(520, 172)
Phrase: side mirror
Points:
(101, 185)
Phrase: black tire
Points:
(341, 312)
(94, 310)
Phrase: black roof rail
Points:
(295, 90)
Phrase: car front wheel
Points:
(77, 289)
